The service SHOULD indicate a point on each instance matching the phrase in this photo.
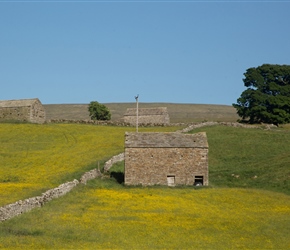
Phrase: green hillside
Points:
(249, 158)
(246, 206)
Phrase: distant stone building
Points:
(28, 110)
(147, 116)
(166, 159)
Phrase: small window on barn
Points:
(198, 180)
(171, 180)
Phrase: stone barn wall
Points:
(147, 116)
(157, 158)
(27, 110)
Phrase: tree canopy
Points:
(267, 97)
(99, 111)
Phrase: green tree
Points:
(99, 111)
(267, 97)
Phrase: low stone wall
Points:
(19, 207)
(92, 174)
(96, 122)
(230, 124)
(113, 123)
(199, 125)
(188, 126)
(113, 160)
(22, 206)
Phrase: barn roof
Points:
(146, 111)
(18, 103)
(165, 140)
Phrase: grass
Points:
(35, 158)
(246, 206)
(249, 158)
(105, 215)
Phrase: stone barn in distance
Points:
(166, 159)
(147, 116)
(27, 110)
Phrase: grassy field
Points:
(186, 113)
(35, 158)
(104, 215)
(250, 158)
(246, 206)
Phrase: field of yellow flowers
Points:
(34, 158)
(99, 216)
(106, 215)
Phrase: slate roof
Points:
(18, 103)
(146, 111)
(165, 140)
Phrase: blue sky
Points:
(110, 51)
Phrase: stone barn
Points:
(166, 159)
(147, 116)
(28, 110)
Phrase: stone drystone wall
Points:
(113, 160)
(92, 174)
(94, 122)
(19, 207)
(22, 206)
(188, 126)
(229, 124)
(113, 123)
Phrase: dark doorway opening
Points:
(198, 180)
(118, 176)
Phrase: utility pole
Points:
(136, 97)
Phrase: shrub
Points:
(99, 111)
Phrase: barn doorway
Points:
(198, 180)
(171, 180)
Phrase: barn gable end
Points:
(27, 110)
(166, 159)
(147, 116)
